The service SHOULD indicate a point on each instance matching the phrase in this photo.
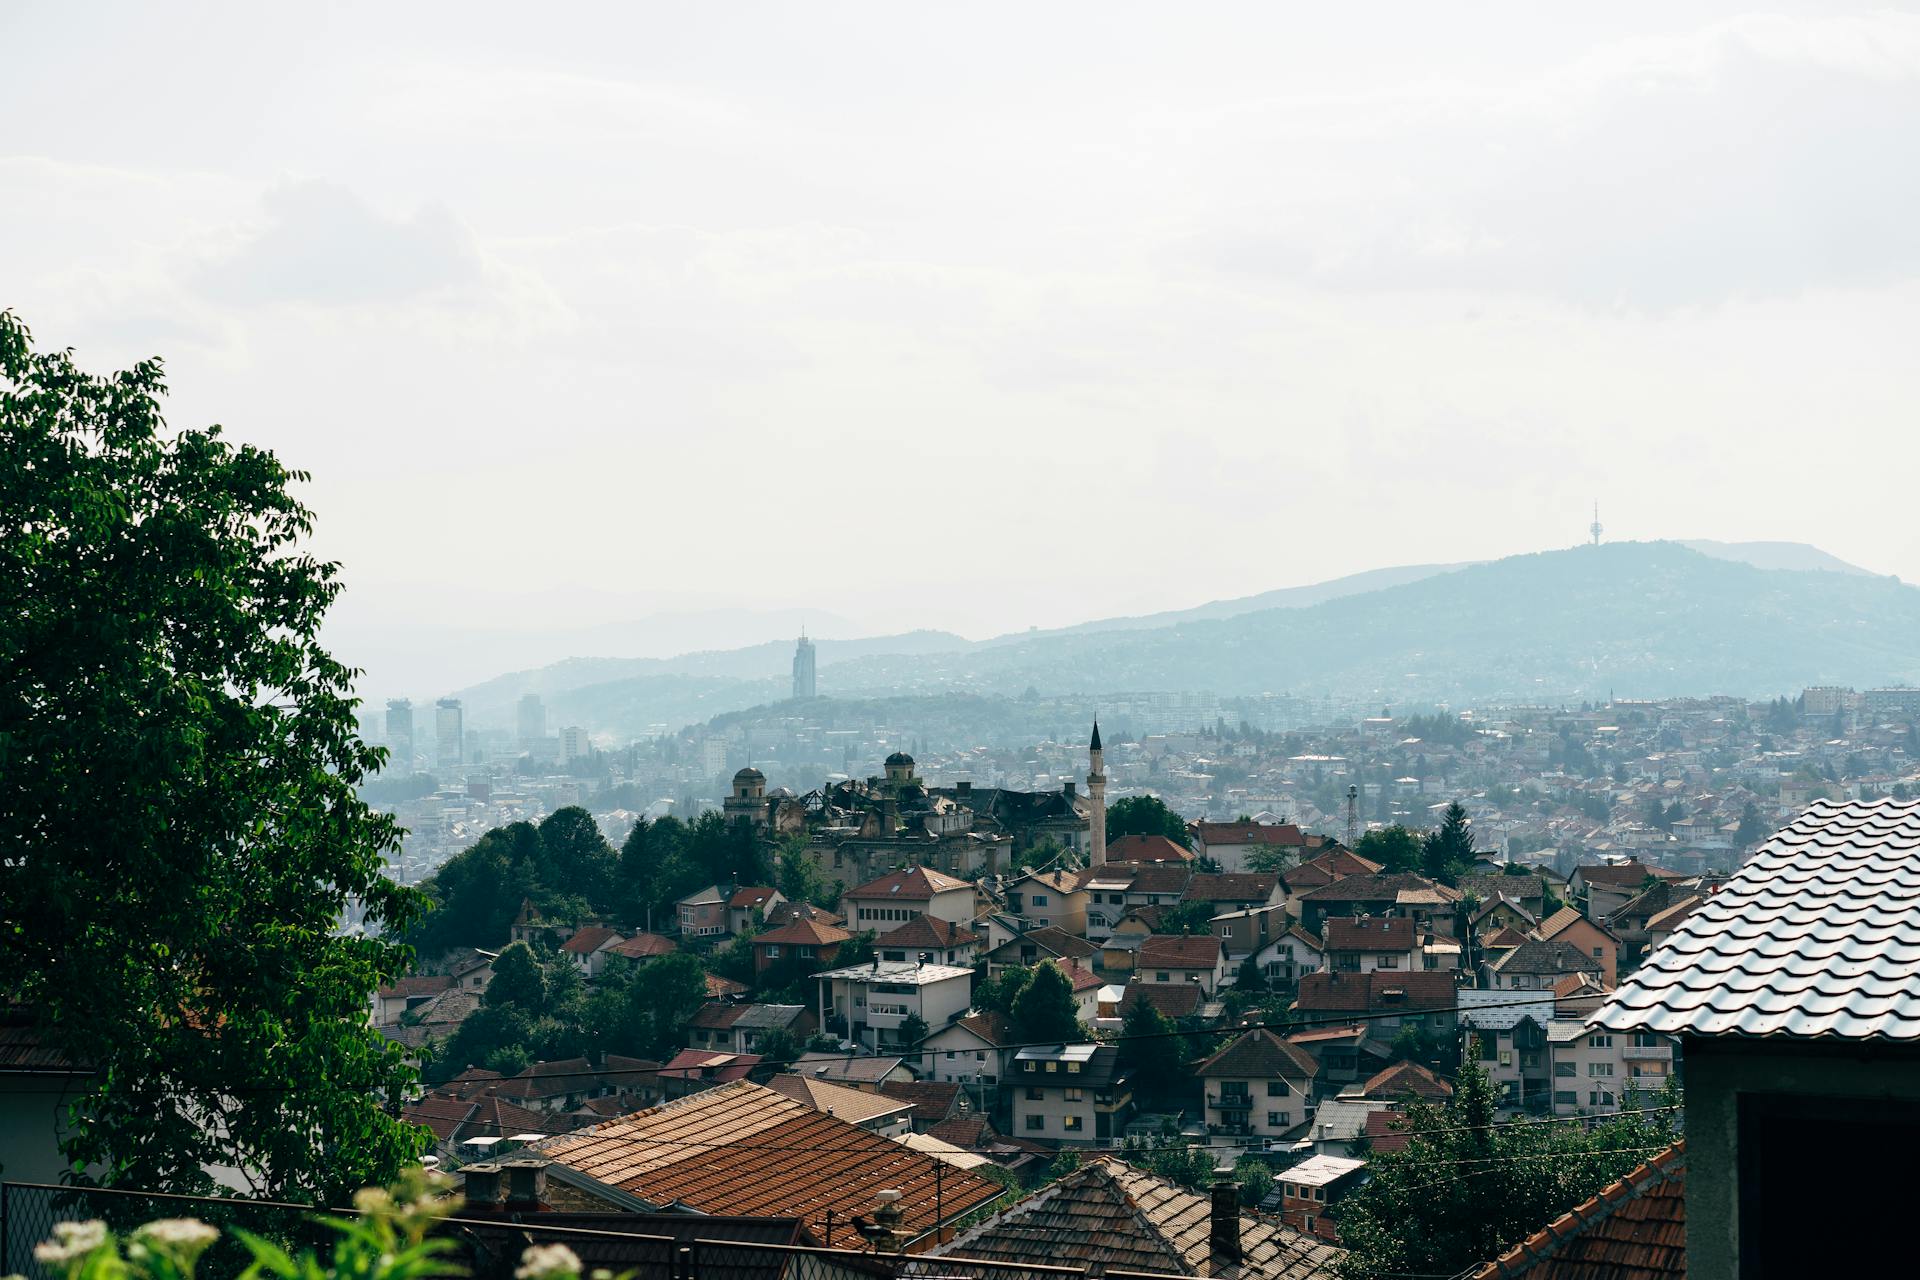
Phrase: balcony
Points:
(1647, 1053)
(887, 1015)
(1230, 1102)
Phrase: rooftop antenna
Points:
(1596, 528)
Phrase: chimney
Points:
(1068, 789)
(526, 1184)
(482, 1185)
(963, 789)
(1223, 1238)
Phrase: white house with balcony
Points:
(870, 1002)
(1596, 1071)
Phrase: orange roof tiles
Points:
(743, 1149)
(1635, 1229)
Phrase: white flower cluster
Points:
(185, 1235)
(71, 1240)
(543, 1261)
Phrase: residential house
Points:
(929, 1102)
(869, 1073)
(787, 912)
(588, 948)
(1106, 889)
(1070, 1093)
(1537, 966)
(1608, 887)
(403, 995)
(696, 1070)
(1107, 1216)
(743, 1028)
(1050, 899)
(703, 913)
(1346, 1055)
(929, 938)
(1362, 944)
(1311, 1192)
(899, 896)
(1180, 958)
(462, 1126)
(1791, 993)
(1595, 940)
(36, 1080)
(1241, 891)
(1036, 945)
(1185, 1004)
(532, 928)
(1526, 891)
(642, 947)
(1231, 843)
(1405, 1082)
(1246, 931)
(1596, 1072)
(805, 940)
(873, 1112)
(1257, 1088)
(730, 1150)
(748, 905)
(1495, 914)
(971, 1051)
(1291, 956)
(870, 1004)
(1339, 1127)
(1145, 849)
(1662, 926)
(1391, 1000)
(1429, 905)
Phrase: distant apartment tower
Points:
(532, 720)
(803, 668)
(450, 729)
(400, 734)
(574, 744)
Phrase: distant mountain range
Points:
(1637, 619)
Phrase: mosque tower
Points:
(1097, 801)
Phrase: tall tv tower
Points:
(1596, 529)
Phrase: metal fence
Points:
(490, 1248)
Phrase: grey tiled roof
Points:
(1816, 937)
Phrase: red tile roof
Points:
(1259, 1055)
(743, 1149)
(751, 895)
(915, 883)
(588, 939)
(1377, 933)
(1403, 1078)
(932, 1100)
(787, 912)
(718, 987)
(1146, 849)
(709, 1064)
(1385, 1132)
(645, 946)
(1177, 951)
(1082, 979)
(1284, 835)
(1635, 1229)
(1371, 887)
(424, 984)
(1247, 886)
(1174, 1000)
(804, 933)
(1376, 992)
(926, 931)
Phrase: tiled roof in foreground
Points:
(1816, 937)
(1125, 1219)
(1635, 1229)
(745, 1150)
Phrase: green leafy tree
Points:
(1463, 1190)
(799, 878)
(1395, 848)
(1045, 1011)
(913, 1029)
(1150, 1048)
(476, 893)
(576, 859)
(1446, 853)
(643, 1010)
(778, 1047)
(1189, 919)
(1146, 816)
(1754, 828)
(179, 764)
(517, 982)
(997, 994)
(1255, 1179)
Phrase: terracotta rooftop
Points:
(743, 1149)
(709, 1064)
(1174, 1000)
(1369, 887)
(1816, 936)
(1246, 886)
(1375, 933)
(1178, 951)
(855, 1106)
(1055, 942)
(803, 933)
(1124, 1219)
(926, 931)
(1144, 848)
(1635, 1229)
(1283, 835)
(1377, 992)
(1565, 918)
(1550, 957)
(1259, 1055)
(914, 884)
(931, 1100)
(751, 895)
(787, 912)
(644, 946)
(1404, 1078)
(719, 987)
(588, 939)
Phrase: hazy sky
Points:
(986, 316)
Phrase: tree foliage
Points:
(1146, 816)
(1151, 1050)
(1463, 1190)
(1447, 853)
(1395, 848)
(1044, 1011)
(178, 769)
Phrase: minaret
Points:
(1097, 801)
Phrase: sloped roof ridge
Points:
(1668, 1166)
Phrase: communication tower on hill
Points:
(1596, 528)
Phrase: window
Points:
(1073, 1068)
(1039, 899)
(1030, 1066)
(1599, 1098)
(1388, 962)
(1309, 1226)
(1642, 1040)
(1287, 1189)
(1036, 1122)
(1034, 1094)
(1278, 1119)
(1233, 1088)
(1599, 1042)
(1566, 1098)
(1600, 1070)
(1276, 1088)
(1160, 976)
(1076, 1095)
(773, 951)
(1564, 1069)
(1052, 1068)
(1598, 954)
(1072, 1124)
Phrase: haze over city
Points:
(827, 308)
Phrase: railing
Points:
(1231, 1102)
(1647, 1052)
(489, 1247)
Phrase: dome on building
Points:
(780, 793)
(900, 759)
(749, 774)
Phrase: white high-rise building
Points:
(449, 729)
